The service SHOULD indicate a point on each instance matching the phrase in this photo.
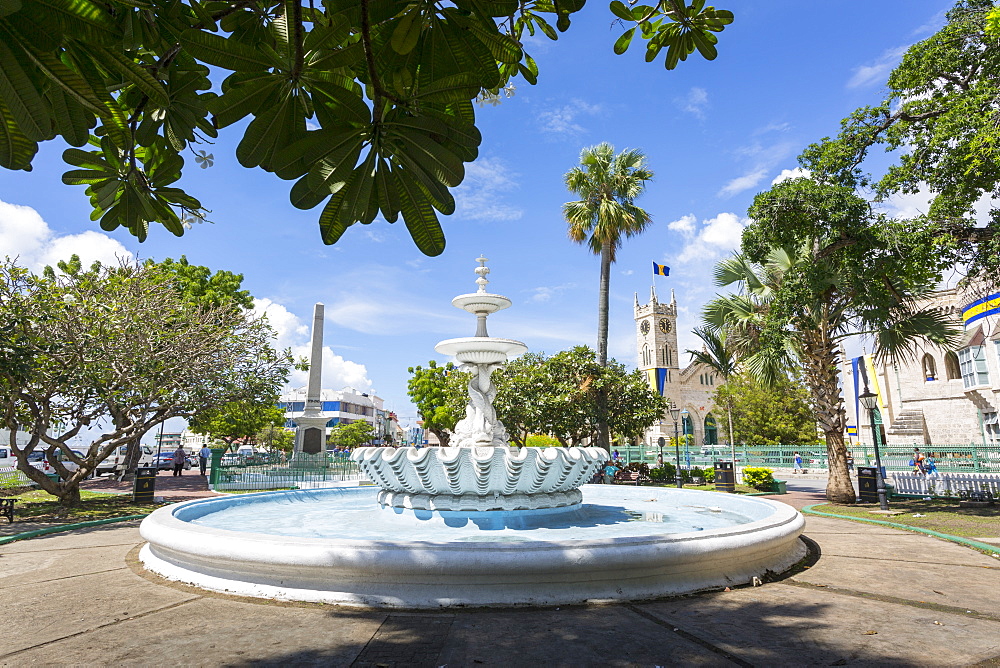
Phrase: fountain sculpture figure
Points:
(479, 471)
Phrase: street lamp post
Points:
(870, 402)
(687, 450)
(675, 413)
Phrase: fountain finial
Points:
(482, 270)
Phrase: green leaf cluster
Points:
(775, 414)
(238, 420)
(350, 434)
(939, 123)
(439, 393)
(366, 105)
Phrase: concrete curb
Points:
(986, 547)
(66, 527)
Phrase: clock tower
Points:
(656, 337)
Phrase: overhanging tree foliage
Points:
(117, 349)
(775, 414)
(439, 393)
(365, 104)
(941, 119)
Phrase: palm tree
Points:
(608, 186)
(796, 308)
(719, 356)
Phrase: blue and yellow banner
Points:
(657, 378)
(981, 308)
(852, 430)
(660, 270)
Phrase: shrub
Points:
(663, 473)
(759, 478)
(709, 474)
(542, 441)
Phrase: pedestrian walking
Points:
(918, 461)
(797, 463)
(179, 457)
(203, 456)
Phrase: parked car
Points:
(165, 462)
(40, 461)
(116, 460)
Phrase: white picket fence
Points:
(945, 483)
(11, 477)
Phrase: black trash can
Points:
(145, 484)
(725, 477)
(868, 484)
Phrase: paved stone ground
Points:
(874, 597)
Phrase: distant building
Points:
(343, 407)
(194, 442)
(691, 388)
(940, 397)
(168, 441)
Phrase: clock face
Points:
(664, 325)
(644, 327)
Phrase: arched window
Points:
(929, 367)
(645, 355)
(711, 431)
(951, 368)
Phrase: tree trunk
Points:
(443, 437)
(603, 437)
(820, 359)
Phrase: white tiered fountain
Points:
(479, 471)
(479, 523)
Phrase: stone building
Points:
(342, 407)
(940, 397)
(690, 387)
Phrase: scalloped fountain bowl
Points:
(339, 546)
(479, 478)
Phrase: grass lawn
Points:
(38, 506)
(943, 515)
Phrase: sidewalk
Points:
(874, 596)
(172, 488)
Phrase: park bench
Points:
(945, 483)
(632, 477)
(7, 508)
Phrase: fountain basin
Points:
(337, 546)
(479, 478)
(481, 349)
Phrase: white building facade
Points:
(939, 397)
(343, 407)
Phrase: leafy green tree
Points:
(276, 438)
(238, 420)
(719, 356)
(940, 124)
(608, 185)
(351, 435)
(439, 395)
(569, 395)
(768, 414)
(798, 303)
(389, 83)
(120, 349)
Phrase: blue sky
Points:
(715, 133)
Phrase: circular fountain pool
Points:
(339, 546)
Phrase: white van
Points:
(116, 460)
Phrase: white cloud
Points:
(563, 120)
(773, 127)
(24, 235)
(545, 293)
(787, 174)
(480, 197)
(748, 180)
(710, 239)
(878, 71)
(292, 332)
(695, 102)
(685, 224)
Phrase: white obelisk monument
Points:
(310, 436)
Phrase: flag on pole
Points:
(660, 270)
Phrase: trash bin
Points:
(725, 477)
(145, 484)
(868, 484)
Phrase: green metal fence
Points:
(969, 458)
(257, 472)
